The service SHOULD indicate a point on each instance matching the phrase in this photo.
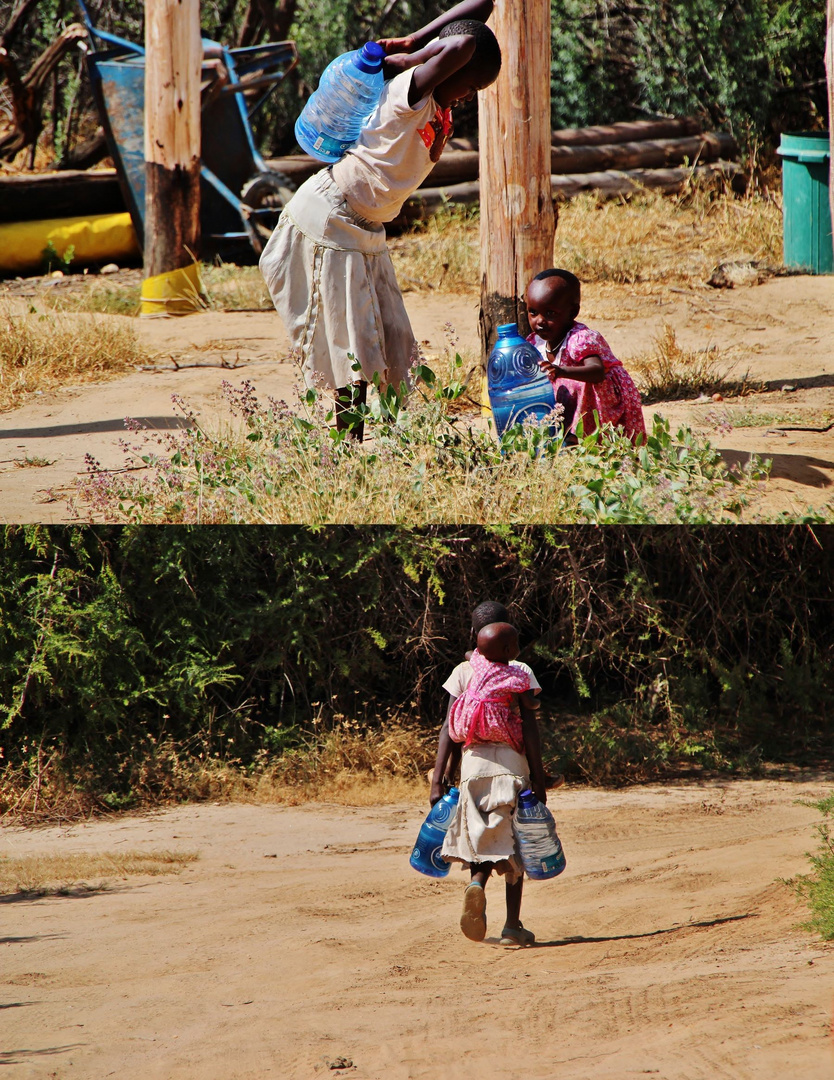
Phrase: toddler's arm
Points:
(591, 370)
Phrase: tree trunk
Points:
(517, 216)
(172, 134)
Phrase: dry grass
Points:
(670, 372)
(440, 253)
(347, 763)
(95, 295)
(39, 352)
(650, 238)
(672, 241)
(235, 288)
(55, 875)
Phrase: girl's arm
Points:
(533, 752)
(591, 370)
(434, 63)
(529, 700)
(468, 9)
(447, 760)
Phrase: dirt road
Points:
(301, 944)
(781, 332)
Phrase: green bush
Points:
(818, 888)
(128, 652)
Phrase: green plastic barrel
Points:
(806, 214)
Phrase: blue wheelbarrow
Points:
(240, 197)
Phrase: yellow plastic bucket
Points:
(178, 292)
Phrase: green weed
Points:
(424, 463)
(818, 889)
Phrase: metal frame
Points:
(230, 157)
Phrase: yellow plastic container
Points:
(178, 292)
(101, 238)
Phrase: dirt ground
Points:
(781, 332)
(301, 940)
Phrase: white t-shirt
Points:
(392, 156)
(462, 674)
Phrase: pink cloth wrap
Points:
(615, 400)
(483, 713)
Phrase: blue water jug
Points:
(517, 386)
(426, 854)
(539, 846)
(347, 94)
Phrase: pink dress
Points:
(483, 714)
(615, 400)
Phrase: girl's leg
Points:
(347, 398)
(514, 903)
(473, 918)
(513, 932)
(480, 872)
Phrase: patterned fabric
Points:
(436, 133)
(482, 714)
(616, 399)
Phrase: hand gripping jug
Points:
(426, 854)
(517, 386)
(539, 846)
(347, 94)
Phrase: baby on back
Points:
(484, 713)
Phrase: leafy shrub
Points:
(818, 888)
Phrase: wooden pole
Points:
(829, 70)
(173, 60)
(517, 217)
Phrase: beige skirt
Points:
(491, 777)
(331, 278)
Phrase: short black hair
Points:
(489, 611)
(571, 280)
(487, 55)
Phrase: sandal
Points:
(473, 919)
(517, 935)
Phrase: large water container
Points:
(539, 846)
(426, 854)
(518, 388)
(347, 94)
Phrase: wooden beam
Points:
(517, 216)
(613, 184)
(627, 131)
(173, 59)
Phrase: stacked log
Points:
(610, 159)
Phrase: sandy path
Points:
(669, 948)
(782, 331)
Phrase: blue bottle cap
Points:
(527, 799)
(507, 328)
(370, 57)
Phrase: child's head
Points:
(553, 303)
(490, 611)
(498, 642)
(480, 72)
